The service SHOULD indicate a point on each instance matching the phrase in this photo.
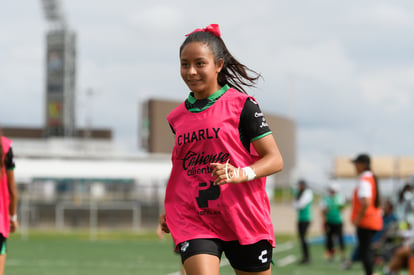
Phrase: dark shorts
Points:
(2, 244)
(249, 258)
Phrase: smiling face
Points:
(199, 69)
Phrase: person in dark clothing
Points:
(303, 204)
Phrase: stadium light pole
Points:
(54, 13)
(60, 82)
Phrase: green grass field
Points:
(46, 253)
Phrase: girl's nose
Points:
(192, 70)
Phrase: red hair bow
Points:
(212, 28)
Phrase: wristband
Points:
(248, 171)
(13, 218)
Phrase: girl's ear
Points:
(219, 64)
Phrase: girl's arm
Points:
(269, 163)
(13, 200)
(271, 160)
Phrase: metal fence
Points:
(92, 204)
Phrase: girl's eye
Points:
(201, 63)
(184, 65)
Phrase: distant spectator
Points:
(331, 208)
(389, 219)
(381, 237)
(404, 205)
(399, 259)
(366, 211)
(303, 204)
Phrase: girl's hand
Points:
(227, 173)
(13, 226)
(163, 223)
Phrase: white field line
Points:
(283, 247)
(290, 259)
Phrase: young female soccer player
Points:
(216, 199)
(8, 197)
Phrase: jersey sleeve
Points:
(304, 200)
(9, 160)
(364, 189)
(253, 124)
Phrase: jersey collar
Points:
(191, 100)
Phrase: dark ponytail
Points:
(233, 72)
(377, 200)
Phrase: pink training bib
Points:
(4, 192)
(195, 208)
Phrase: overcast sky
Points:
(343, 70)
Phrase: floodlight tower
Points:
(60, 73)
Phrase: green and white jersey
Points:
(303, 204)
(333, 205)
